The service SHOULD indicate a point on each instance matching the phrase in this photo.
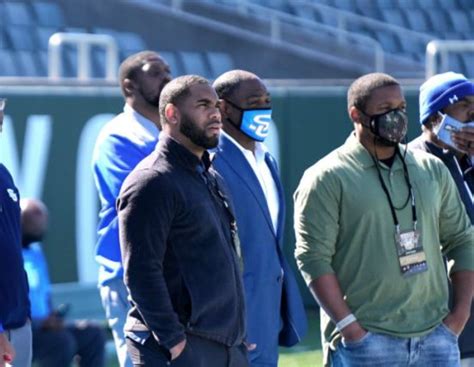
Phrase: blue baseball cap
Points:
(441, 90)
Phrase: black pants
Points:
(57, 348)
(199, 352)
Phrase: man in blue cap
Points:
(451, 96)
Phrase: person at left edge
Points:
(15, 325)
(121, 145)
(275, 312)
(179, 242)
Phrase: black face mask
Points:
(389, 127)
(28, 239)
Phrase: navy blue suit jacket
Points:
(275, 312)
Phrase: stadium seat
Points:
(43, 61)
(427, 4)
(98, 62)
(29, 63)
(347, 5)
(129, 41)
(369, 10)
(438, 21)
(8, 64)
(18, 13)
(327, 17)
(389, 41)
(460, 21)
(3, 39)
(386, 4)
(304, 11)
(455, 63)
(466, 4)
(43, 34)
(448, 4)
(173, 61)
(220, 62)
(468, 63)
(194, 63)
(69, 61)
(416, 20)
(48, 14)
(394, 16)
(21, 37)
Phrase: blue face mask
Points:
(254, 122)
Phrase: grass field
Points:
(305, 354)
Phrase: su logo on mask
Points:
(256, 123)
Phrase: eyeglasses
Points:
(3, 102)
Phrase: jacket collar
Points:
(182, 155)
(358, 152)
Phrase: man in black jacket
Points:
(179, 242)
(451, 95)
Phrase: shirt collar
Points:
(260, 148)
(147, 124)
(353, 147)
(183, 155)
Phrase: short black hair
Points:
(362, 88)
(131, 65)
(227, 83)
(176, 90)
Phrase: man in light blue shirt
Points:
(121, 145)
(56, 343)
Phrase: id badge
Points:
(411, 255)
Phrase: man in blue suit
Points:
(275, 313)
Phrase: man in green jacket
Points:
(372, 223)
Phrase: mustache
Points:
(214, 124)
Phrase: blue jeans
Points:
(115, 301)
(437, 349)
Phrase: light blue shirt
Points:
(38, 279)
(121, 145)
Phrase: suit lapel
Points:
(237, 162)
(281, 195)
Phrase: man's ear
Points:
(354, 114)
(224, 107)
(433, 121)
(128, 86)
(172, 114)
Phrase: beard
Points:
(197, 135)
(153, 98)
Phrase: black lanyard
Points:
(213, 187)
(411, 194)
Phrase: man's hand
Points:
(7, 353)
(464, 140)
(250, 346)
(177, 349)
(353, 332)
(456, 322)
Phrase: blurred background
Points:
(58, 70)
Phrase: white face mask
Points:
(447, 125)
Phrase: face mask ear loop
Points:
(237, 126)
(405, 142)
